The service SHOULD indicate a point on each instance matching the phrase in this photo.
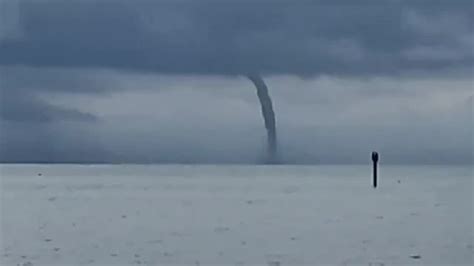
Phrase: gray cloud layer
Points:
(235, 37)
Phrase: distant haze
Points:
(165, 81)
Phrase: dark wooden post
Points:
(375, 159)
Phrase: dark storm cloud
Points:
(27, 79)
(235, 37)
(24, 107)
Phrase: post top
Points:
(375, 156)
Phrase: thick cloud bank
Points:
(200, 119)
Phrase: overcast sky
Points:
(164, 81)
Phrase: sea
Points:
(70, 214)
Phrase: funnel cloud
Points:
(268, 116)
